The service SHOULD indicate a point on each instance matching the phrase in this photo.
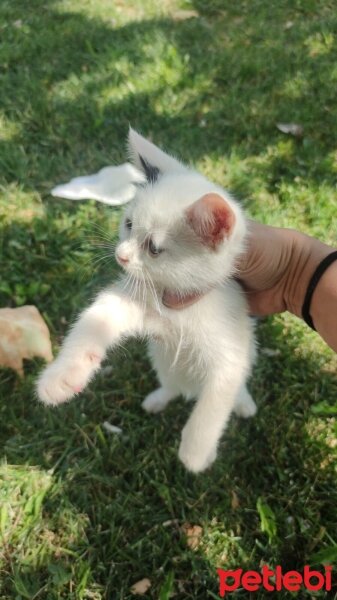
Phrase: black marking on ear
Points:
(152, 173)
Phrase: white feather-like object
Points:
(111, 185)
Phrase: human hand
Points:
(265, 269)
(262, 270)
(274, 270)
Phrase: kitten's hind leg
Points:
(244, 404)
(158, 400)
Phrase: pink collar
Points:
(177, 301)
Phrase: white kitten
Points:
(179, 234)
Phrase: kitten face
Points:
(181, 233)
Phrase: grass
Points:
(85, 514)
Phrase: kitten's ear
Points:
(149, 158)
(211, 218)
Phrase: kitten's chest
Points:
(178, 362)
(176, 344)
(166, 329)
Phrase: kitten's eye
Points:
(128, 224)
(153, 250)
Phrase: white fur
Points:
(203, 352)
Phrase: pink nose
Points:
(122, 259)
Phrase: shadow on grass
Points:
(235, 71)
(133, 489)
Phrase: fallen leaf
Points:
(141, 587)
(235, 503)
(23, 334)
(193, 535)
(290, 128)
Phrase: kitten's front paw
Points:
(65, 378)
(245, 406)
(194, 456)
(156, 401)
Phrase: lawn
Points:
(84, 514)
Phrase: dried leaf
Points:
(235, 503)
(193, 535)
(141, 587)
(23, 334)
(290, 128)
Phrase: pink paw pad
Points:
(77, 389)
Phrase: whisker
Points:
(154, 292)
(98, 228)
(144, 291)
(96, 260)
